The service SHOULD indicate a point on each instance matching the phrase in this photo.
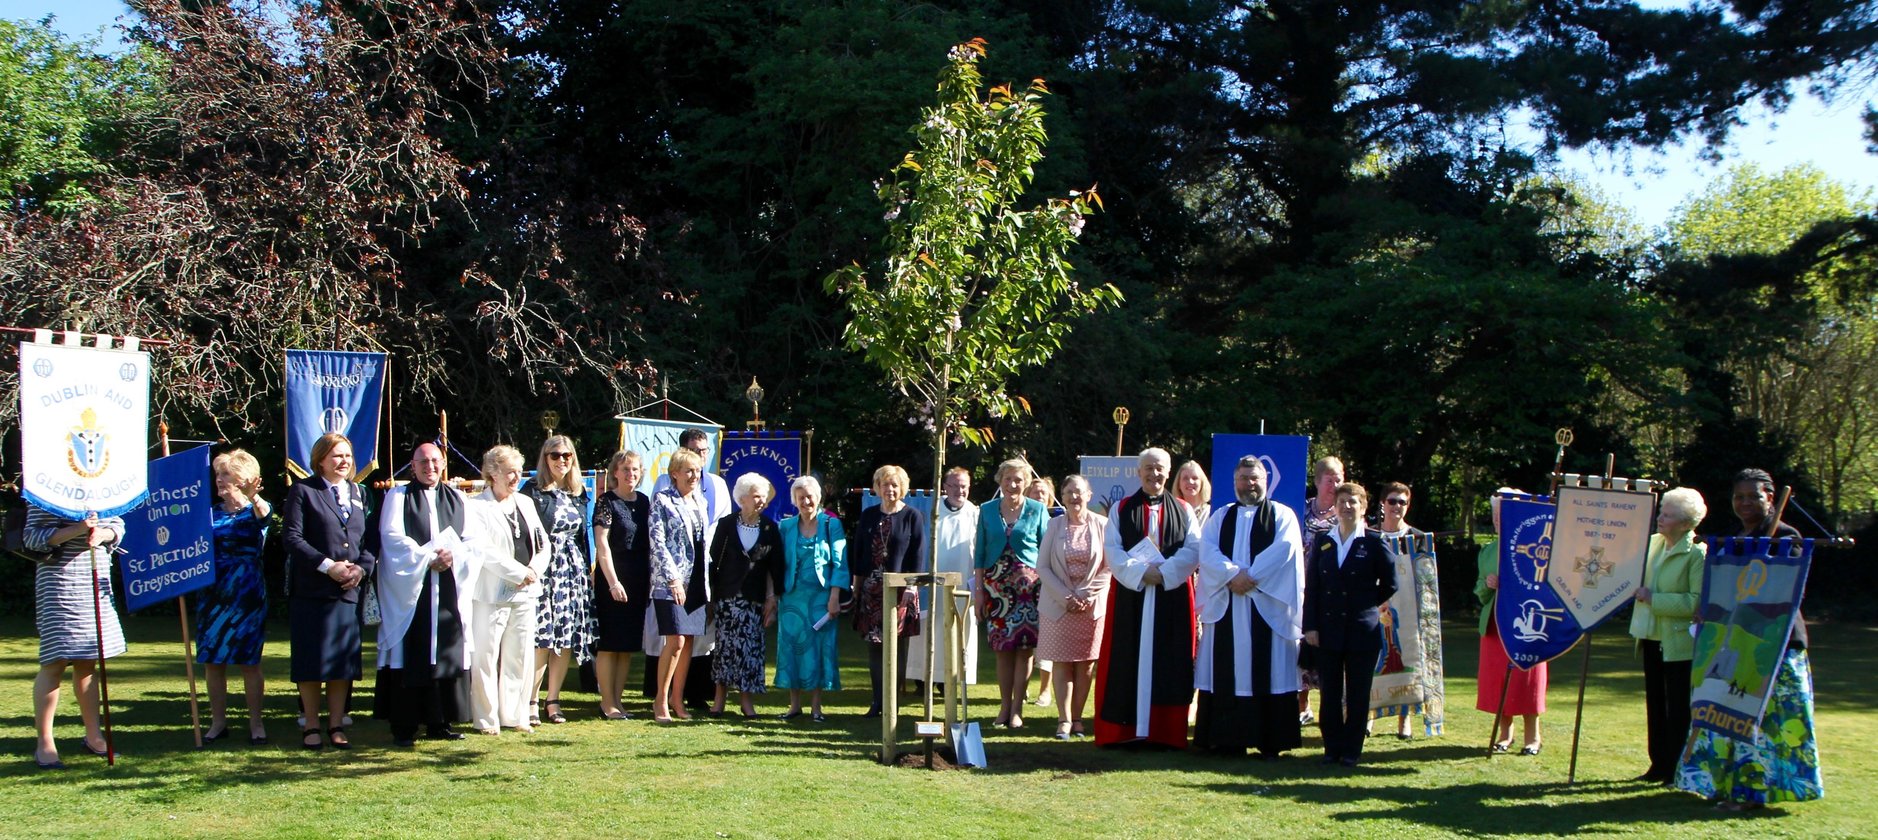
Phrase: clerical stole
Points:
(1144, 683)
(1237, 709)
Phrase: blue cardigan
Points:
(1026, 538)
(830, 555)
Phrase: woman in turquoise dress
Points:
(231, 614)
(815, 566)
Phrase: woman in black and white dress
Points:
(746, 574)
(71, 615)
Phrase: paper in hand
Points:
(821, 622)
(1145, 552)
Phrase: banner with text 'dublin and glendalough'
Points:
(84, 427)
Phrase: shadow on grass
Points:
(1487, 808)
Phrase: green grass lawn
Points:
(767, 778)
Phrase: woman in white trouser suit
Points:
(516, 553)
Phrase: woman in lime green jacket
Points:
(1666, 604)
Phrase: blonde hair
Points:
(1049, 489)
(324, 447)
(498, 456)
(682, 458)
(892, 473)
(1206, 485)
(1326, 464)
(570, 483)
(238, 464)
(1019, 465)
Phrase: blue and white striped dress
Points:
(65, 613)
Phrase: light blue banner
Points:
(656, 440)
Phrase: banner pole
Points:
(104, 686)
(182, 611)
(1499, 714)
(1584, 673)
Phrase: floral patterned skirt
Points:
(867, 610)
(738, 661)
(1782, 763)
(1012, 589)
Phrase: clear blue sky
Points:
(1650, 183)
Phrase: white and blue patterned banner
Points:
(330, 391)
(84, 428)
(1111, 479)
(656, 440)
(1602, 541)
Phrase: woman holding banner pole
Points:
(1781, 762)
(324, 523)
(76, 620)
(231, 614)
(1666, 602)
(1502, 689)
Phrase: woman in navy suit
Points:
(327, 559)
(1347, 578)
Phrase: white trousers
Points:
(503, 673)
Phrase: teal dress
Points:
(806, 658)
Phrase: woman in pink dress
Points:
(1074, 582)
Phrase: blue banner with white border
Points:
(169, 542)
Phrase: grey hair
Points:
(1686, 504)
(748, 482)
(808, 483)
(1154, 453)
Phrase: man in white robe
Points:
(955, 525)
(424, 595)
(1251, 591)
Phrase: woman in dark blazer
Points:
(746, 572)
(1348, 576)
(327, 559)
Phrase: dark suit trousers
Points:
(1343, 678)
(1666, 706)
(876, 656)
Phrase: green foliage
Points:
(62, 109)
(974, 288)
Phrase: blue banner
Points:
(1534, 624)
(330, 391)
(169, 542)
(1287, 467)
(1750, 593)
(776, 456)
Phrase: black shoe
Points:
(872, 712)
(1330, 759)
(338, 745)
(104, 753)
(311, 732)
(818, 717)
(445, 733)
(1348, 761)
(404, 742)
(54, 764)
(214, 736)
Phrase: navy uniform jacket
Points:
(315, 532)
(1340, 604)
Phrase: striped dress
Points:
(65, 613)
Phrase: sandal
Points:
(1062, 730)
(1502, 746)
(1075, 728)
(554, 713)
(1530, 749)
(314, 733)
(334, 734)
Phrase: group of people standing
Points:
(1162, 607)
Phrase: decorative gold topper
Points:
(1563, 437)
(1594, 566)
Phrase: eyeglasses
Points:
(1395, 501)
(561, 456)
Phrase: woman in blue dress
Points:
(231, 614)
(815, 566)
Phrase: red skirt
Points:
(1525, 692)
